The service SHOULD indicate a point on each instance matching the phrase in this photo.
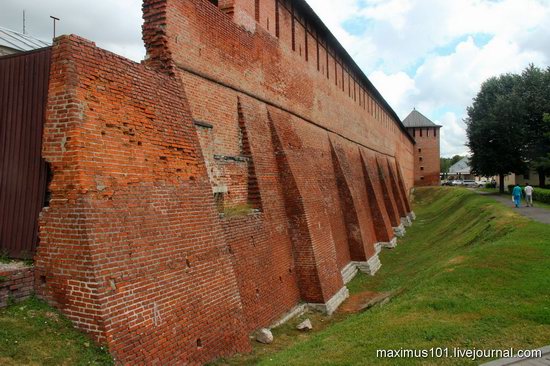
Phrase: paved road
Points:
(536, 213)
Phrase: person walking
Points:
(528, 195)
(516, 195)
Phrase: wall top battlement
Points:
(303, 15)
(287, 56)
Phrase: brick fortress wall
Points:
(131, 249)
(426, 156)
(291, 129)
(208, 194)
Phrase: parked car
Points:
(469, 183)
(482, 182)
(456, 182)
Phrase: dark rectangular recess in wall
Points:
(277, 18)
(202, 124)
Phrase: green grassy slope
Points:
(473, 274)
(32, 333)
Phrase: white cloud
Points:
(428, 54)
(114, 25)
(434, 54)
(396, 88)
(392, 11)
(453, 135)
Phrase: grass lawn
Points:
(471, 273)
(32, 333)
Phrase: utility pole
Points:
(54, 20)
(24, 30)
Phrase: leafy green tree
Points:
(534, 90)
(542, 162)
(444, 165)
(496, 136)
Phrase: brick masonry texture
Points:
(238, 108)
(16, 284)
(426, 156)
(131, 247)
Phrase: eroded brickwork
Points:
(131, 248)
(16, 283)
(203, 196)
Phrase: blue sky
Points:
(429, 54)
(433, 55)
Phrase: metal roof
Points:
(461, 167)
(19, 41)
(417, 119)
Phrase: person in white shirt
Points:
(528, 195)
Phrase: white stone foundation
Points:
(330, 306)
(294, 312)
(371, 266)
(412, 216)
(349, 272)
(391, 244)
(399, 231)
(406, 221)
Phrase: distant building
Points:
(531, 177)
(426, 151)
(461, 170)
(15, 42)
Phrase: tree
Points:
(496, 136)
(542, 162)
(534, 90)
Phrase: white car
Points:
(469, 183)
(482, 182)
(456, 182)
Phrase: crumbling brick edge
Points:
(16, 284)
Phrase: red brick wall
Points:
(131, 247)
(427, 166)
(198, 39)
(262, 249)
(311, 173)
(16, 283)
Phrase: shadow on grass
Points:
(473, 274)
